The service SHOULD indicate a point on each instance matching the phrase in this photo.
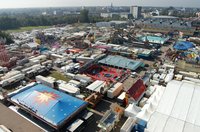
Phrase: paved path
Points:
(15, 122)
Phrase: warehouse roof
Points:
(122, 62)
(165, 17)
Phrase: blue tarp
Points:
(51, 105)
(183, 45)
(43, 49)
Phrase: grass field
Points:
(57, 75)
(22, 29)
(186, 32)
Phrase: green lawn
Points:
(57, 75)
(186, 32)
(22, 29)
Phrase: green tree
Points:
(84, 18)
(8, 23)
(7, 36)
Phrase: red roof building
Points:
(137, 90)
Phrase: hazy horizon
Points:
(76, 3)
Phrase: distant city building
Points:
(44, 13)
(147, 15)
(167, 23)
(116, 24)
(105, 15)
(111, 15)
(54, 12)
(155, 13)
(136, 11)
(125, 15)
(111, 5)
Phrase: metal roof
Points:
(165, 17)
(122, 62)
(52, 106)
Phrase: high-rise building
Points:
(136, 11)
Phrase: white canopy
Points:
(178, 109)
(132, 110)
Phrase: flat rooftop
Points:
(178, 109)
(122, 62)
(47, 104)
(15, 122)
(155, 39)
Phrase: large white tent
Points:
(178, 110)
(152, 103)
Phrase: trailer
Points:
(76, 126)
(74, 82)
(46, 81)
(12, 80)
(88, 117)
(69, 89)
(115, 90)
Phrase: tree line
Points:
(23, 20)
(6, 37)
(7, 22)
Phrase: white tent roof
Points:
(144, 115)
(191, 128)
(156, 119)
(178, 109)
(132, 110)
(96, 85)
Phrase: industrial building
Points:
(154, 39)
(121, 62)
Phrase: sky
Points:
(65, 3)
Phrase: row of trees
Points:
(7, 22)
(23, 20)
